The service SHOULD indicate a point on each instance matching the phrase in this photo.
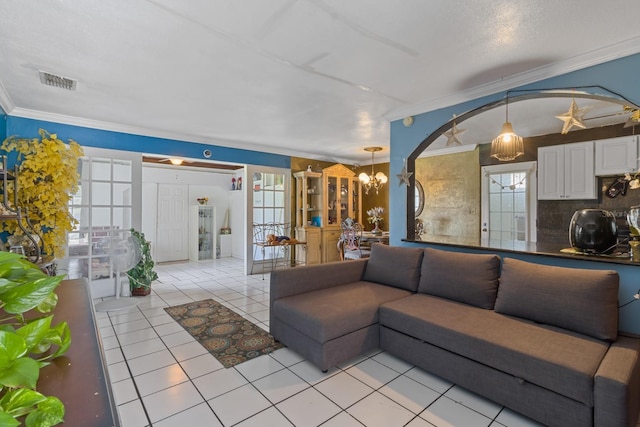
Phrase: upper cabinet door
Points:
(616, 156)
(580, 181)
(551, 173)
(566, 172)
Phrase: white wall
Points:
(214, 185)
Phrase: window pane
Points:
(101, 192)
(101, 169)
(101, 217)
(121, 170)
(258, 216)
(278, 199)
(122, 194)
(122, 218)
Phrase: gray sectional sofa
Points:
(540, 340)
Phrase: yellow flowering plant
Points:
(48, 176)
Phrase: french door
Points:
(108, 200)
(509, 203)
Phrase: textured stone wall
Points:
(452, 196)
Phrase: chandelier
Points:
(375, 180)
(507, 146)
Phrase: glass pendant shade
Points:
(507, 146)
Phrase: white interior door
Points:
(172, 232)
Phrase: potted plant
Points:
(28, 345)
(48, 175)
(141, 276)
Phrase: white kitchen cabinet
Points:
(566, 172)
(616, 156)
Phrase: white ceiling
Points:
(312, 78)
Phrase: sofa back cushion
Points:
(581, 300)
(464, 277)
(394, 266)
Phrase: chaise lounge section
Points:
(540, 340)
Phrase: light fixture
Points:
(176, 162)
(507, 146)
(375, 180)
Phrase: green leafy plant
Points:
(141, 276)
(28, 343)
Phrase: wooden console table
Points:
(79, 377)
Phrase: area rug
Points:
(229, 337)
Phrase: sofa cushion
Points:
(552, 358)
(333, 312)
(580, 300)
(464, 277)
(394, 266)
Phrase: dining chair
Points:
(349, 243)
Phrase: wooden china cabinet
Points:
(323, 201)
(308, 216)
(341, 200)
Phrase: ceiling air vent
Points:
(57, 81)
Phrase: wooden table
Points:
(369, 237)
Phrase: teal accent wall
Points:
(88, 137)
(620, 75)
(3, 125)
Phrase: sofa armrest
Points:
(300, 280)
(617, 385)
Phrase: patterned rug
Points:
(229, 337)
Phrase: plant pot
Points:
(140, 292)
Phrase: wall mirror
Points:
(418, 198)
(532, 113)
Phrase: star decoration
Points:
(573, 117)
(452, 134)
(404, 176)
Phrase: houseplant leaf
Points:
(22, 372)
(18, 401)
(48, 413)
(29, 295)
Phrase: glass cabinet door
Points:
(332, 200)
(344, 199)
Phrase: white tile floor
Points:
(162, 377)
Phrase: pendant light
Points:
(375, 180)
(507, 146)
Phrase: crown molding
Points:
(135, 130)
(595, 57)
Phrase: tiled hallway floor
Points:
(162, 377)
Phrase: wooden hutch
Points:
(323, 201)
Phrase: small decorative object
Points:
(404, 176)
(239, 186)
(573, 117)
(375, 216)
(226, 229)
(309, 168)
(233, 183)
(203, 200)
(452, 134)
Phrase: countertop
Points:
(533, 248)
